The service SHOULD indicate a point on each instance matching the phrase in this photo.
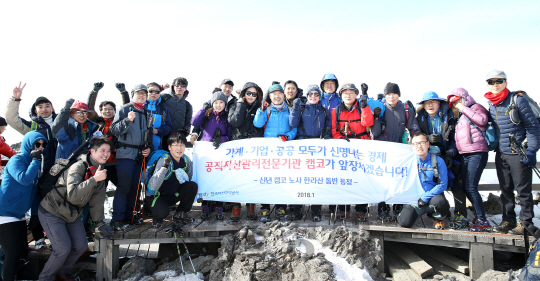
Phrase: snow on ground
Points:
(171, 275)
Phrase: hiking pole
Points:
(516, 147)
(138, 186)
(174, 229)
(199, 274)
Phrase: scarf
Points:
(279, 107)
(139, 106)
(498, 98)
(107, 126)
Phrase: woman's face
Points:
(251, 95)
(314, 97)
(218, 106)
(276, 97)
(291, 91)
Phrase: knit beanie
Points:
(312, 88)
(3, 121)
(392, 88)
(219, 96)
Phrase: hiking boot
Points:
(518, 230)
(205, 212)
(157, 224)
(281, 214)
(459, 222)
(481, 226)
(361, 216)
(438, 224)
(316, 216)
(135, 221)
(385, 216)
(504, 227)
(235, 217)
(251, 212)
(296, 214)
(182, 217)
(265, 215)
(219, 213)
(227, 207)
(119, 225)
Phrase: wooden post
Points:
(480, 259)
(107, 260)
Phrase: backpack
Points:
(434, 168)
(514, 116)
(490, 137)
(151, 166)
(531, 270)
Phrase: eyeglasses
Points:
(430, 102)
(420, 143)
(40, 144)
(180, 85)
(253, 94)
(153, 92)
(178, 145)
(81, 112)
(498, 81)
(314, 94)
(348, 94)
(107, 109)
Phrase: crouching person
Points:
(84, 182)
(432, 202)
(171, 183)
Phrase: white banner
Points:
(310, 171)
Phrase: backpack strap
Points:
(434, 168)
(34, 126)
(480, 131)
(268, 112)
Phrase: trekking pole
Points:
(305, 217)
(516, 147)
(138, 186)
(199, 274)
(174, 228)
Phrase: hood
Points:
(299, 93)
(329, 76)
(249, 85)
(28, 141)
(33, 115)
(460, 92)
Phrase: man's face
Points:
(314, 97)
(432, 106)
(101, 154)
(44, 110)
(498, 86)
(139, 96)
(179, 89)
(2, 129)
(276, 97)
(290, 91)
(329, 86)
(349, 97)
(392, 99)
(107, 111)
(226, 89)
(79, 115)
(153, 93)
(40, 144)
(420, 146)
(177, 150)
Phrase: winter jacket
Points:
(161, 121)
(527, 128)
(357, 123)
(278, 122)
(18, 188)
(431, 187)
(314, 121)
(5, 149)
(231, 106)
(241, 116)
(36, 123)
(180, 110)
(299, 95)
(94, 117)
(67, 133)
(131, 135)
(209, 124)
(468, 138)
(394, 123)
(169, 186)
(78, 186)
(448, 124)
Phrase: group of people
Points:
(144, 140)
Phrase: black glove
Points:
(36, 154)
(106, 230)
(217, 138)
(166, 162)
(216, 89)
(121, 87)
(434, 138)
(376, 112)
(184, 133)
(364, 88)
(98, 86)
(296, 104)
(421, 203)
(207, 105)
(69, 103)
(363, 101)
(448, 160)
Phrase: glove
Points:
(121, 87)
(166, 162)
(69, 103)
(264, 106)
(98, 86)
(364, 88)
(216, 89)
(36, 154)
(207, 106)
(363, 101)
(296, 104)
(283, 137)
(106, 230)
(376, 112)
(184, 133)
(421, 203)
(448, 159)
(434, 138)
(530, 160)
(217, 142)
(181, 176)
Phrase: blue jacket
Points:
(278, 123)
(162, 121)
(431, 187)
(69, 137)
(312, 122)
(527, 128)
(330, 101)
(19, 187)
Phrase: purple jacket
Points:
(468, 139)
(210, 125)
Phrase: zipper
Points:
(497, 118)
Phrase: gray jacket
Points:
(180, 111)
(395, 122)
(131, 135)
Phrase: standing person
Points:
(432, 202)
(131, 128)
(179, 108)
(292, 92)
(84, 182)
(241, 120)
(5, 149)
(273, 117)
(349, 121)
(214, 128)
(17, 193)
(472, 147)
(161, 117)
(167, 191)
(437, 121)
(398, 117)
(513, 170)
(329, 85)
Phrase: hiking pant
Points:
(126, 191)
(458, 190)
(437, 207)
(473, 165)
(514, 175)
(35, 227)
(13, 241)
(185, 194)
(68, 241)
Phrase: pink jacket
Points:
(468, 139)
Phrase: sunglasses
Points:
(82, 113)
(39, 144)
(253, 94)
(314, 94)
(498, 81)
(180, 85)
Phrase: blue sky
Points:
(60, 48)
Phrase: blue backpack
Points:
(531, 271)
(151, 166)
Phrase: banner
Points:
(310, 171)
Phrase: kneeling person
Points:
(432, 202)
(171, 183)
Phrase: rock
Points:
(136, 268)
(492, 275)
(493, 205)
(16, 146)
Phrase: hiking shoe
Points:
(265, 215)
(41, 245)
(205, 212)
(135, 221)
(361, 216)
(518, 230)
(281, 214)
(438, 224)
(296, 214)
(219, 213)
(119, 225)
(227, 207)
(385, 216)
(251, 212)
(316, 216)
(157, 224)
(504, 227)
(235, 213)
(481, 226)
(182, 217)
(459, 222)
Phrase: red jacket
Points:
(357, 124)
(5, 149)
